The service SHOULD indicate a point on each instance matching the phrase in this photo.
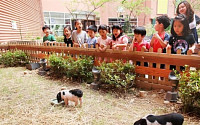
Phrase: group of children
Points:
(181, 37)
(80, 37)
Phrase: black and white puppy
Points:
(168, 119)
(72, 95)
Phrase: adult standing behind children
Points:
(185, 8)
(92, 40)
(67, 36)
(79, 37)
(161, 38)
(48, 37)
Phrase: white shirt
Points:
(104, 42)
(192, 25)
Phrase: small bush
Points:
(60, 39)
(189, 88)
(58, 65)
(17, 58)
(117, 74)
(80, 69)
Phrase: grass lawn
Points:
(25, 99)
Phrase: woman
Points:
(185, 8)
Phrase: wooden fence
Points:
(147, 77)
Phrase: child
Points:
(48, 37)
(181, 38)
(104, 41)
(138, 40)
(79, 37)
(118, 40)
(139, 43)
(161, 38)
(67, 36)
(92, 39)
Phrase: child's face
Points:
(182, 8)
(46, 31)
(116, 32)
(103, 33)
(67, 32)
(157, 26)
(91, 33)
(178, 28)
(138, 37)
(79, 25)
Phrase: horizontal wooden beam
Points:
(161, 58)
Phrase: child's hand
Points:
(47, 41)
(102, 46)
(76, 45)
(144, 48)
(85, 45)
(102, 49)
(168, 47)
(156, 36)
(114, 46)
(191, 50)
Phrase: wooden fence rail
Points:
(149, 77)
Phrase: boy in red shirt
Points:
(161, 38)
(138, 40)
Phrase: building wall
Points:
(105, 12)
(109, 10)
(26, 16)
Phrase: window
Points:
(97, 21)
(115, 21)
(57, 15)
(46, 14)
(121, 21)
(57, 21)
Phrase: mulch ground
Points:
(26, 99)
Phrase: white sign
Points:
(14, 25)
(120, 10)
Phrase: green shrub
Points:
(189, 88)
(117, 74)
(17, 58)
(60, 39)
(81, 69)
(58, 65)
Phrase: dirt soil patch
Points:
(25, 99)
